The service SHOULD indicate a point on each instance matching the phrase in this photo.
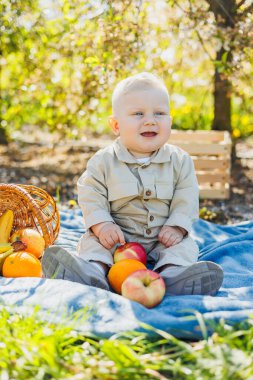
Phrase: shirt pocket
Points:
(120, 190)
(164, 191)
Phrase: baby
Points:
(138, 189)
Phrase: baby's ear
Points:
(113, 122)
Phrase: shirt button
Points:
(148, 231)
(148, 193)
(151, 218)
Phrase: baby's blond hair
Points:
(141, 81)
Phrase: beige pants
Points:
(185, 253)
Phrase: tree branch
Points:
(218, 8)
(198, 34)
(241, 3)
(182, 9)
(203, 45)
(248, 9)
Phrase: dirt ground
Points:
(56, 168)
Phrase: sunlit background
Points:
(61, 60)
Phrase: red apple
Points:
(134, 251)
(32, 239)
(144, 286)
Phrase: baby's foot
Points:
(203, 277)
(58, 263)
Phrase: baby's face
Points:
(143, 121)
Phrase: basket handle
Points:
(33, 204)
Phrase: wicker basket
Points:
(32, 207)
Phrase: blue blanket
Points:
(104, 313)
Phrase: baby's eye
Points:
(159, 113)
(138, 113)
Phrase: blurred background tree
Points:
(60, 60)
(232, 37)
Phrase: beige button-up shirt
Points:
(140, 198)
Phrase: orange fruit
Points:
(121, 270)
(22, 264)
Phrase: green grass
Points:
(34, 349)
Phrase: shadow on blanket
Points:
(107, 313)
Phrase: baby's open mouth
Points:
(149, 134)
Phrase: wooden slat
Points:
(221, 178)
(211, 163)
(205, 136)
(205, 149)
(214, 193)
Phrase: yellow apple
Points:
(33, 240)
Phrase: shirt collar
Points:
(159, 156)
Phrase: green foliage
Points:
(35, 350)
(60, 61)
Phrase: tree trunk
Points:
(224, 12)
(3, 136)
(222, 99)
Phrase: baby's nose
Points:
(150, 120)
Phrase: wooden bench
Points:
(211, 153)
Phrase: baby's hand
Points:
(170, 236)
(110, 234)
